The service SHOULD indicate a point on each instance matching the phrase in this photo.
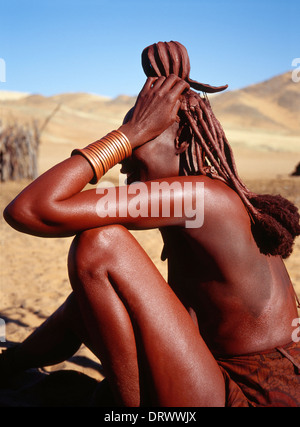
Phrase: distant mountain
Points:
(11, 95)
(273, 105)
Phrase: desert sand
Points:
(263, 124)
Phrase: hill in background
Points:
(263, 118)
(273, 105)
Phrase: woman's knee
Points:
(93, 250)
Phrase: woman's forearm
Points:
(54, 205)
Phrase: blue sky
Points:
(95, 46)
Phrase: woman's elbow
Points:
(18, 215)
(29, 219)
(25, 217)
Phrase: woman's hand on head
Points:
(155, 109)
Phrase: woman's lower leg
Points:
(56, 340)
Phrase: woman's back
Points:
(243, 299)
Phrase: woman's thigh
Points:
(181, 369)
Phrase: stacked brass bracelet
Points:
(106, 153)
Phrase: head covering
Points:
(165, 58)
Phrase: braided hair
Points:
(205, 150)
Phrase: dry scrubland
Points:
(261, 121)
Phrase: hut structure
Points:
(19, 146)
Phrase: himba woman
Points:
(219, 333)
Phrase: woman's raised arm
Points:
(54, 204)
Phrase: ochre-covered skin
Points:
(157, 341)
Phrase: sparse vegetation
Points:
(19, 146)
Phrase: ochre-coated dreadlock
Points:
(206, 151)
